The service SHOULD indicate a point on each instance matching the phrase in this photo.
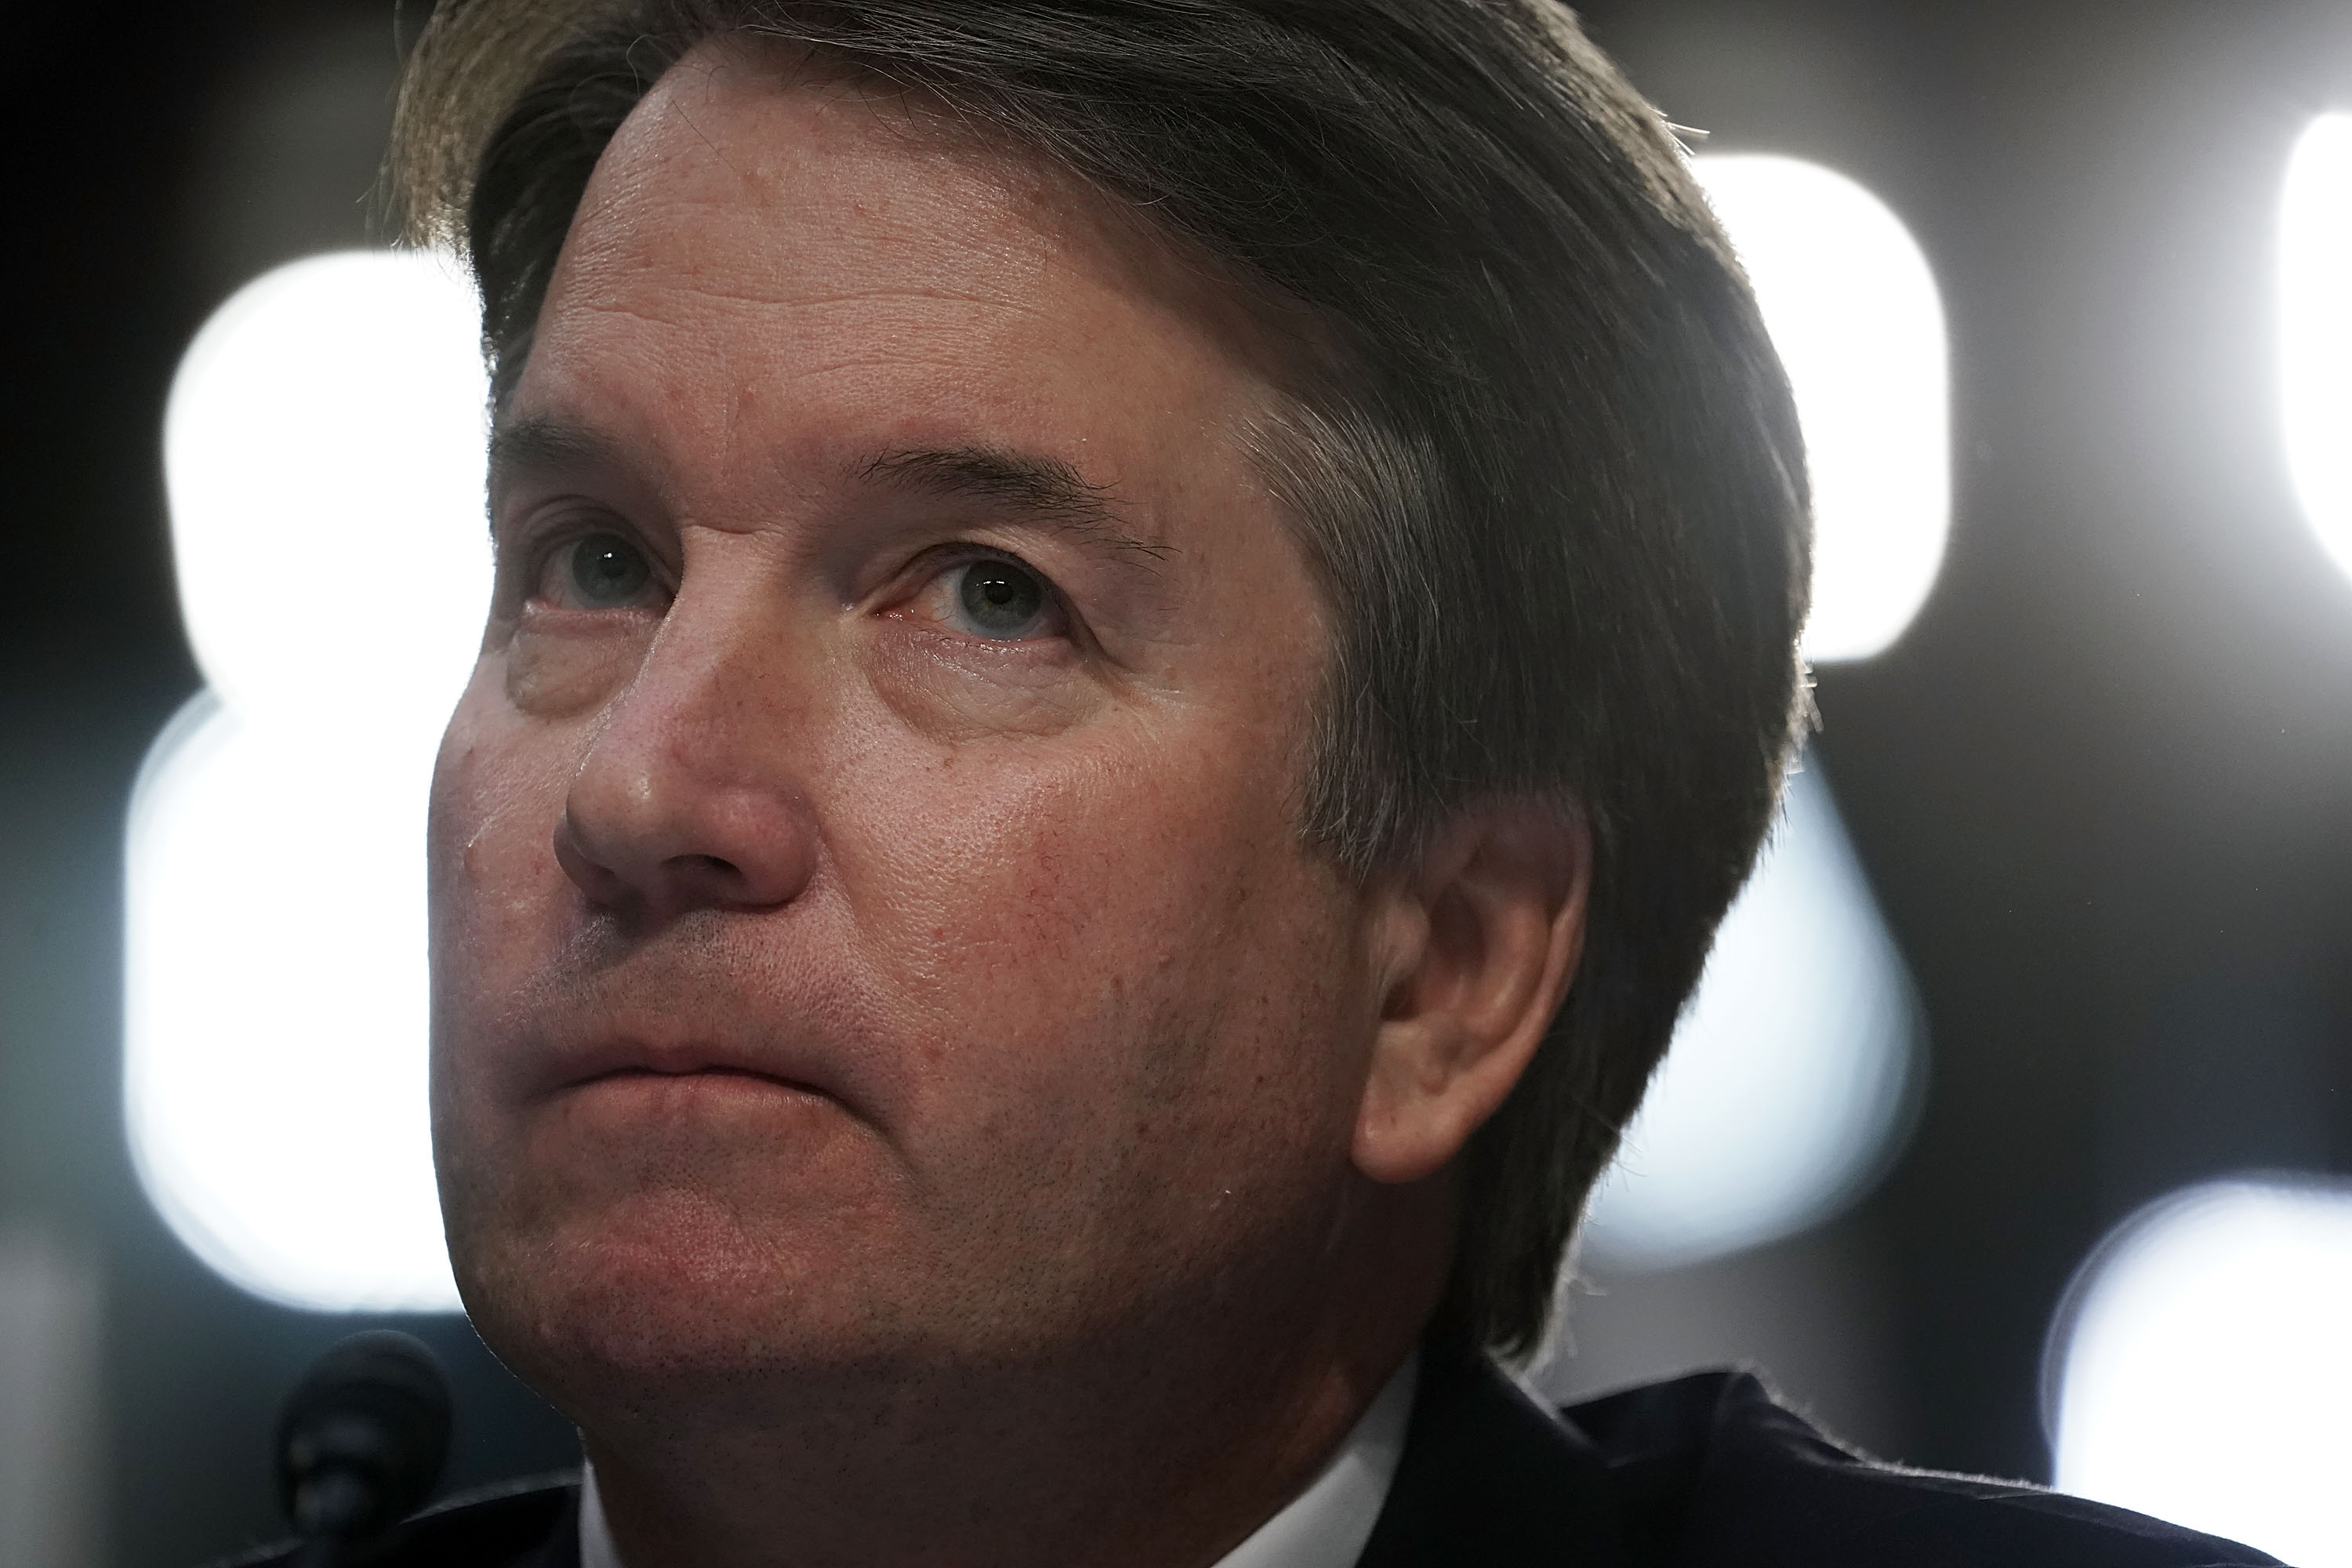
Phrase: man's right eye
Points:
(600, 571)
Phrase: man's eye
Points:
(605, 571)
(996, 598)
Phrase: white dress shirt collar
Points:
(1324, 1526)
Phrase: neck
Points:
(1163, 1449)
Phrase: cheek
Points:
(497, 790)
(1131, 962)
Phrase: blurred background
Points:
(2097, 789)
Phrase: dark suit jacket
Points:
(1703, 1472)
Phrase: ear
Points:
(1481, 937)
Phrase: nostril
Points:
(712, 879)
(714, 875)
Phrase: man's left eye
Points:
(601, 571)
(1000, 599)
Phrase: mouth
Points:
(717, 1077)
(625, 1065)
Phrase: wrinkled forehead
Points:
(741, 119)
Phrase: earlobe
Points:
(1477, 946)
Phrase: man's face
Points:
(870, 919)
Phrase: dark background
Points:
(2099, 787)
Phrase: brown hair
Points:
(1558, 496)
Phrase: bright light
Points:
(323, 450)
(1789, 1080)
(1856, 317)
(2315, 328)
(2203, 1366)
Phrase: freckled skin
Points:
(1025, 1227)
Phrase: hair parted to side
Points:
(1557, 495)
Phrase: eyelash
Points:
(929, 570)
(538, 548)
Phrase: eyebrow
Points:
(541, 446)
(1045, 489)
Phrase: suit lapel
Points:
(1491, 1480)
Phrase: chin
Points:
(669, 1293)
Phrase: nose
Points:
(685, 799)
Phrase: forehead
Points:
(832, 226)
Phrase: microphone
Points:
(360, 1441)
